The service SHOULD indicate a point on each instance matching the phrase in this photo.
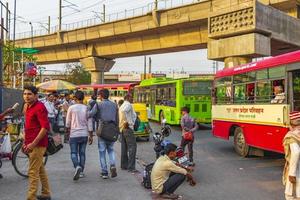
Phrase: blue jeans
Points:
(104, 146)
(78, 146)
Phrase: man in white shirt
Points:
(127, 117)
(291, 172)
(52, 111)
(64, 108)
(80, 131)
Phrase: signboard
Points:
(129, 77)
(30, 69)
(177, 76)
(276, 114)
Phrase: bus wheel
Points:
(161, 116)
(240, 145)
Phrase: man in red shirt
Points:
(36, 142)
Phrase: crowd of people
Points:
(83, 122)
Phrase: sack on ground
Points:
(5, 146)
(109, 131)
(136, 124)
(147, 176)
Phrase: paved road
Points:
(220, 173)
(223, 175)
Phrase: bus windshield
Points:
(196, 88)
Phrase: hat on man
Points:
(294, 115)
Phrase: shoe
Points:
(40, 197)
(81, 175)
(104, 176)
(77, 173)
(113, 172)
(169, 196)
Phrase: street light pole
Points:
(48, 24)
(59, 17)
(15, 16)
(31, 27)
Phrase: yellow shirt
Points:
(161, 172)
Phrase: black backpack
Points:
(136, 124)
(147, 176)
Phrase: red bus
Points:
(117, 90)
(251, 102)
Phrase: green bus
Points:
(165, 97)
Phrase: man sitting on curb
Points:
(166, 177)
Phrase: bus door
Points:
(152, 102)
(295, 90)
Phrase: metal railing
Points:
(135, 12)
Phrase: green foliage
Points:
(76, 74)
(11, 54)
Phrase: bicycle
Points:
(20, 160)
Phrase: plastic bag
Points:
(6, 144)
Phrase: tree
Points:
(12, 55)
(76, 74)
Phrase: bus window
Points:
(239, 93)
(240, 78)
(263, 92)
(223, 94)
(250, 92)
(278, 91)
(276, 72)
(296, 90)
(197, 88)
(262, 74)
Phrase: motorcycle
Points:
(161, 142)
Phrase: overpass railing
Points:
(135, 12)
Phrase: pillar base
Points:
(97, 77)
(235, 61)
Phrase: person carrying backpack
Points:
(189, 126)
(127, 117)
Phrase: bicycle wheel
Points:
(20, 161)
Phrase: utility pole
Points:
(214, 67)
(7, 23)
(145, 67)
(156, 4)
(103, 14)
(59, 17)
(31, 28)
(150, 65)
(48, 24)
(15, 16)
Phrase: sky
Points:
(37, 12)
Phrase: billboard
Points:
(129, 77)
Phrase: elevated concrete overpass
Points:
(234, 31)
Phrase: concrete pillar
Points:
(235, 61)
(97, 66)
(97, 77)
